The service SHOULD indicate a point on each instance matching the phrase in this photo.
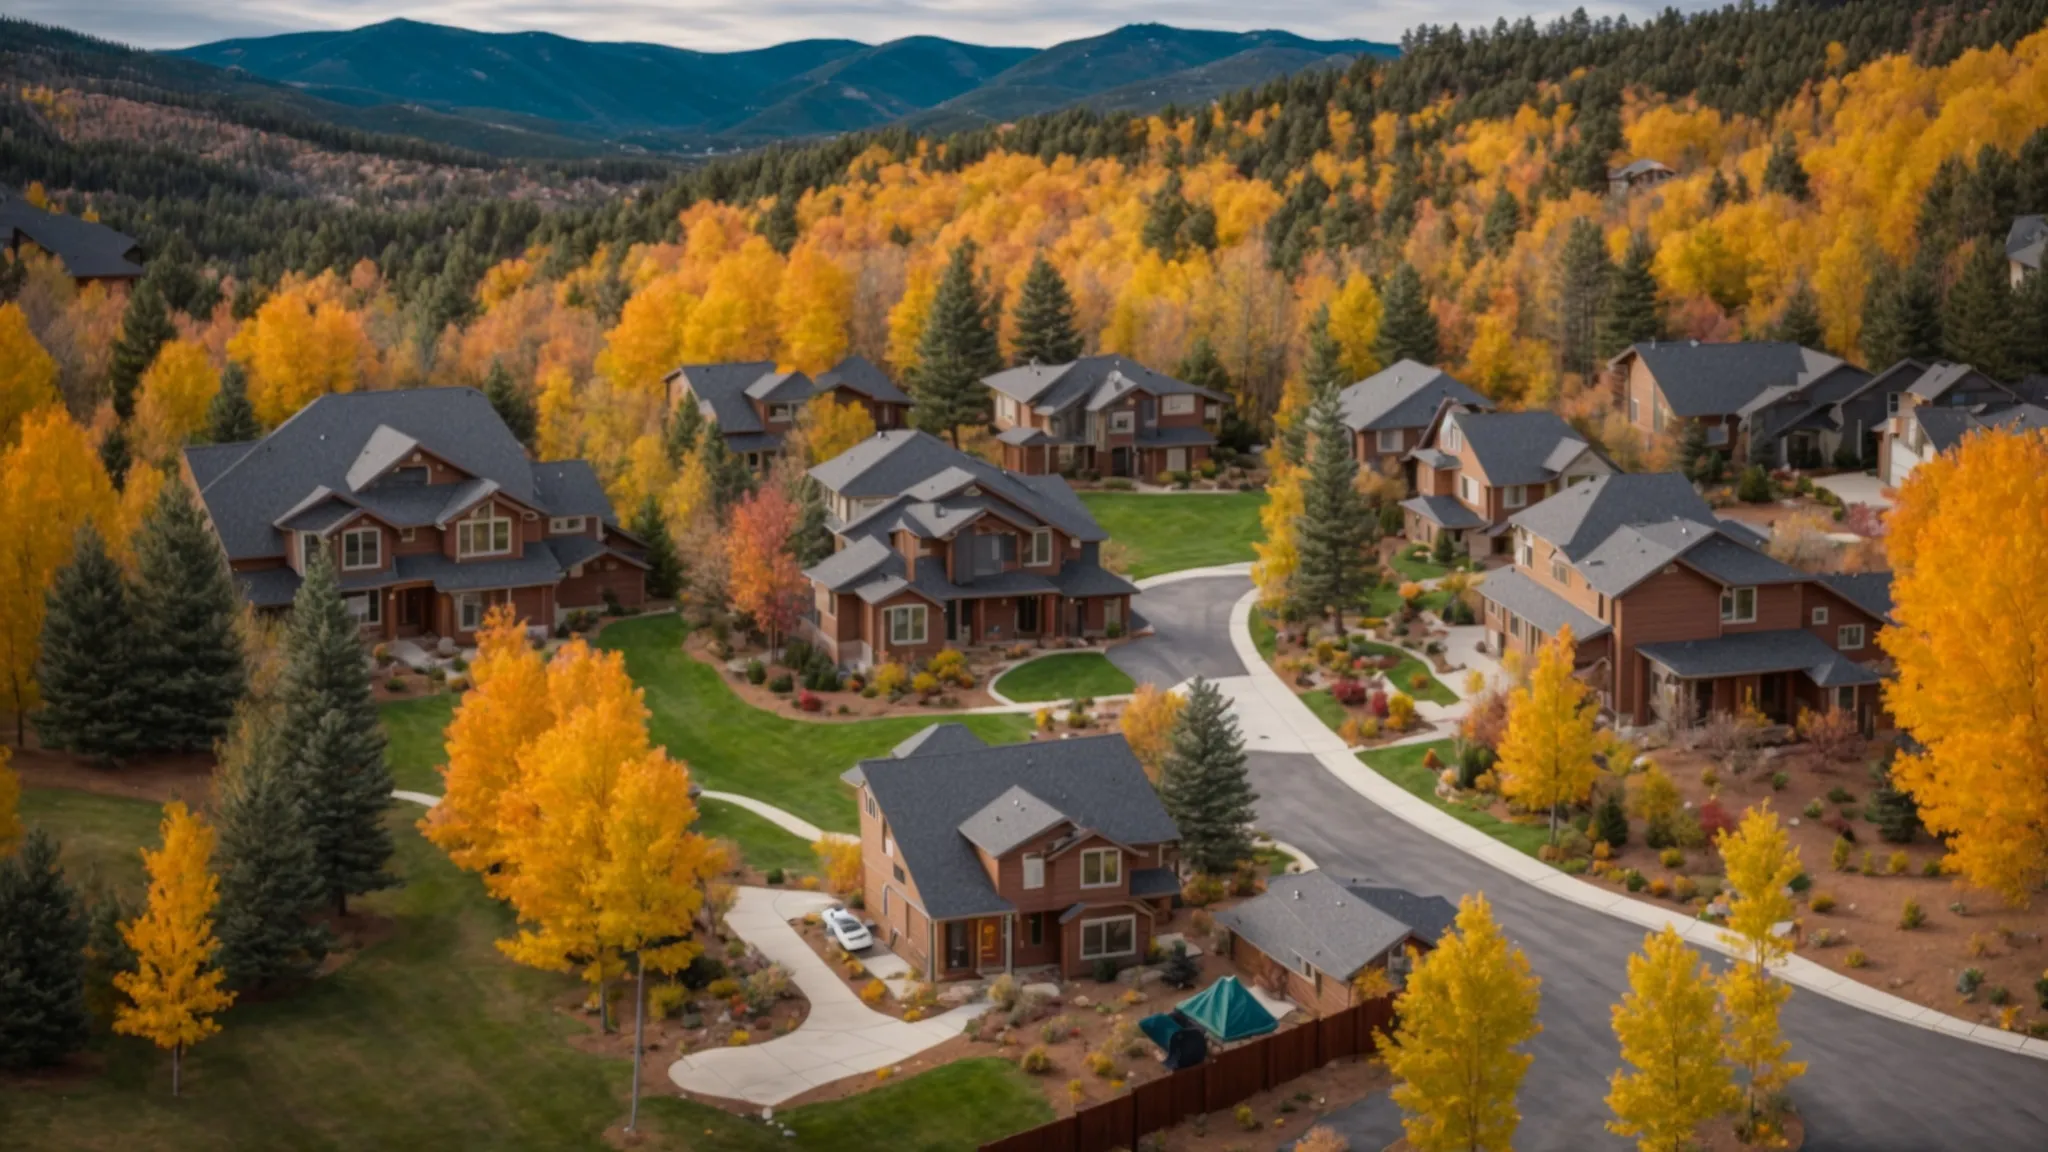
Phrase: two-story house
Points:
(1731, 390)
(88, 251)
(2025, 244)
(1677, 614)
(978, 860)
(1475, 468)
(754, 406)
(429, 508)
(1102, 414)
(1389, 411)
(1944, 403)
(937, 548)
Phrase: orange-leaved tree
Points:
(1147, 725)
(763, 577)
(813, 306)
(174, 991)
(1546, 761)
(505, 710)
(1971, 646)
(10, 806)
(302, 344)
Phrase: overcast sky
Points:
(727, 24)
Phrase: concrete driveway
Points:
(1855, 488)
(841, 1037)
(1190, 632)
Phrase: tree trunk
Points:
(340, 904)
(639, 1035)
(177, 1059)
(604, 1000)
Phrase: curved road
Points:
(1872, 1084)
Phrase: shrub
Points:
(757, 672)
(1822, 903)
(1378, 704)
(1245, 1119)
(765, 987)
(1910, 915)
(839, 864)
(950, 666)
(1401, 711)
(1779, 781)
(1714, 820)
(1833, 734)
(1813, 810)
(774, 876)
(1755, 485)
(1003, 991)
(1348, 692)
(1100, 1064)
(1633, 880)
(394, 685)
(809, 701)
(1826, 938)
(1610, 820)
(1895, 864)
(1076, 1091)
(1672, 858)
(1180, 969)
(1105, 971)
(1202, 890)
(2041, 989)
(1419, 682)
(1855, 958)
(1322, 1139)
(872, 992)
(782, 683)
(1660, 887)
(1998, 995)
(1710, 779)
(1683, 888)
(1840, 795)
(666, 1000)
(1868, 866)
(891, 679)
(1932, 868)
(738, 1039)
(924, 684)
(1036, 1060)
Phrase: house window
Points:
(483, 534)
(888, 842)
(405, 535)
(309, 545)
(1738, 605)
(1301, 963)
(1115, 936)
(1212, 412)
(1390, 439)
(1635, 414)
(1559, 572)
(906, 624)
(956, 944)
(1515, 496)
(1468, 491)
(1820, 615)
(1891, 404)
(1452, 439)
(898, 870)
(1112, 613)
(469, 611)
(1102, 868)
(562, 524)
(1178, 405)
(362, 548)
(1525, 552)
(1034, 871)
(779, 413)
(1034, 929)
(868, 801)
(367, 608)
(1845, 698)
(1041, 546)
(1120, 423)
(1849, 637)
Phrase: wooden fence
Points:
(1228, 1078)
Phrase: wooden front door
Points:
(991, 933)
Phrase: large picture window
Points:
(1738, 605)
(484, 534)
(1849, 637)
(362, 548)
(1181, 404)
(1389, 440)
(906, 624)
(1101, 868)
(1115, 936)
(1041, 546)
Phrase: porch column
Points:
(1009, 942)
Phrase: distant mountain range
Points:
(674, 99)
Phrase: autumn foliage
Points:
(174, 991)
(763, 580)
(1147, 725)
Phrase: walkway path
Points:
(794, 825)
(419, 798)
(841, 1037)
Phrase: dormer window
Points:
(1515, 495)
(1101, 868)
(309, 546)
(485, 533)
(781, 413)
(362, 548)
(1120, 423)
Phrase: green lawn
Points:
(1264, 636)
(1326, 708)
(1403, 765)
(99, 836)
(732, 746)
(1417, 568)
(1167, 533)
(1385, 600)
(1065, 676)
(765, 845)
(952, 1107)
(414, 730)
(1410, 664)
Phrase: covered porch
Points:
(1778, 673)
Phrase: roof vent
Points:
(1695, 343)
(1297, 893)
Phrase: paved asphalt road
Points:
(1872, 1084)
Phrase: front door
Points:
(1080, 618)
(1119, 461)
(1027, 616)
(1771, 695)
(991, 943)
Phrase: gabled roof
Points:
(88, 250)
(1720, 379)
(571, 488)
(781, 388)
(1946, 427)
(1444, 512)
(1582, 517)
(1406, 394)
(1739, 565)
(1010, 820)
(1097, 381)
(1094, 781)
(1311, 917)
(1870, 591)
(949, 739)
(209, 460)
(1544, 609)
(722, 388)
(857, 374)
(1519, 447)
(897, 462)
(2027, 240)
(1636, 168)
(1945, 376)
(383, 450)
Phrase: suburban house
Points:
(2025, 243)
(1389, 411)
(429, 507)
(1677, 614)
(88, 251)
(1751, 397)
(1475, 468)
(979, 859)
(1637, 174)
(755, 406)
(1102, 414)
(1942, 404)
(937, 548)
(1308, 937)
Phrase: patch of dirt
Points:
(180, 776)
(354, 934)
(673, 1037)
(1284, 1114)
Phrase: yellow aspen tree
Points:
(505, 710)
(736, 318)
(647, 342)
(1147, 725)
(1546, 760)
(687, 495)
(176, 390)
(556, 418)
(175, 990)
(830, 427)
(302, 344)
(1981, 778)
(1355, 325)
(1760, 863)
(1670, 1033)
(813, 307)
(28, 374)
(11, 830)
(1454, 1055)
(906, 319)
(1279, 554)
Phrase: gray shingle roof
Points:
(209, 460)
(88, 250)
(1444, 512)
(1940, 378)
(1429, 917)
(1946, 427)
(1403, 395)
(851, 564)
(1755, 653)
(1719, 379)
(857, 374)
(1097, 381)
(1636, 168)
(1311, 916)
(723, 389)
(1870, 591)
(2027, 240)
(1582, 516)
(571, 488)
(895, 462)
(268, 587)
(1549, 612)
(1518, 447)
(1009, 820)
(1095, 781)
(1078, 578)
(951, 738)
(781, 388)
(1739, 565)
(1185, 434)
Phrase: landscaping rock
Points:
(1048, 992)
(965, 992)
(446, 647)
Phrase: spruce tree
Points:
(1893, 810)
(1203, 368)
(1978, 323)
(188, 653)
(810, 541)
(1582, 284)
(330, 738)
(1407, 326)
(1204, 785)
(89, 681)
(1783, 172)
(958, 348)
(510, 403)
(1335, 570)
(145, 327)
(1045, 317)
(1693, 451)
(731, 479)
(1610, 820)
(1632, 314)
(1503, 220)
(230, 418)
(43, 1016)
(115, 456)
(2030, 314)
(780, 226)
(1165, 218)
(685, 429)
(664, 566)
(1902, 315)
(270, 884)
(1800, 322)
(1718, 192)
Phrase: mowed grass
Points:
(1403, 765)
(1168, 533)
(1402, 675)
(414, 731)
(765, 845)
(1065, 676)
(731, 746)
(956, 1106)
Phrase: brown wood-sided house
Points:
(1678, 615)
(754, 406)
(89, 252)
(1749, 397)
(1309, 937)
(978, 860)
(1389, 411)
(1102, 414)
(1476, 468)
(937, 548)
(429, 507)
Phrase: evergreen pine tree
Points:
(810, 541)
(188, 654)
(1800, 322)
(145, 327)
(731, 479)
(1632, 314)
(1783, 173)
(330, 738)
(780, 226)
(1203, 783)
(1407, 326)
(115, 456)
(270, 884)
(1893, 810)
(42, 959)
(1718, 192)
(1503, 220)
(664, 566)
(1331, 535)
(2030, 314)
(1978, 324)
(1203, 368)
(1164, 220)
(1045, 317)
(89, 682)
(1610, 820)
(958, 348)
(1693, 451)
(1902, 315)
(230, 418)
(510, 403)
(1582, 284)
(685, 429)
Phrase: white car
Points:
(847, 929)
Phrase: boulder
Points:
(1047, 992)
(964, 992)
(446, 648)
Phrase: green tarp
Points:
(1228, 1011)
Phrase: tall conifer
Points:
(86, 670)
(958, 348)
(1204, 785)
(42, 959)
(1333, 531)
(1045, 317)
(270, 882)
(145, 327)
(1407, 327)
(664, 566)
(230, 418)
(1632, 314)
(188, 655)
